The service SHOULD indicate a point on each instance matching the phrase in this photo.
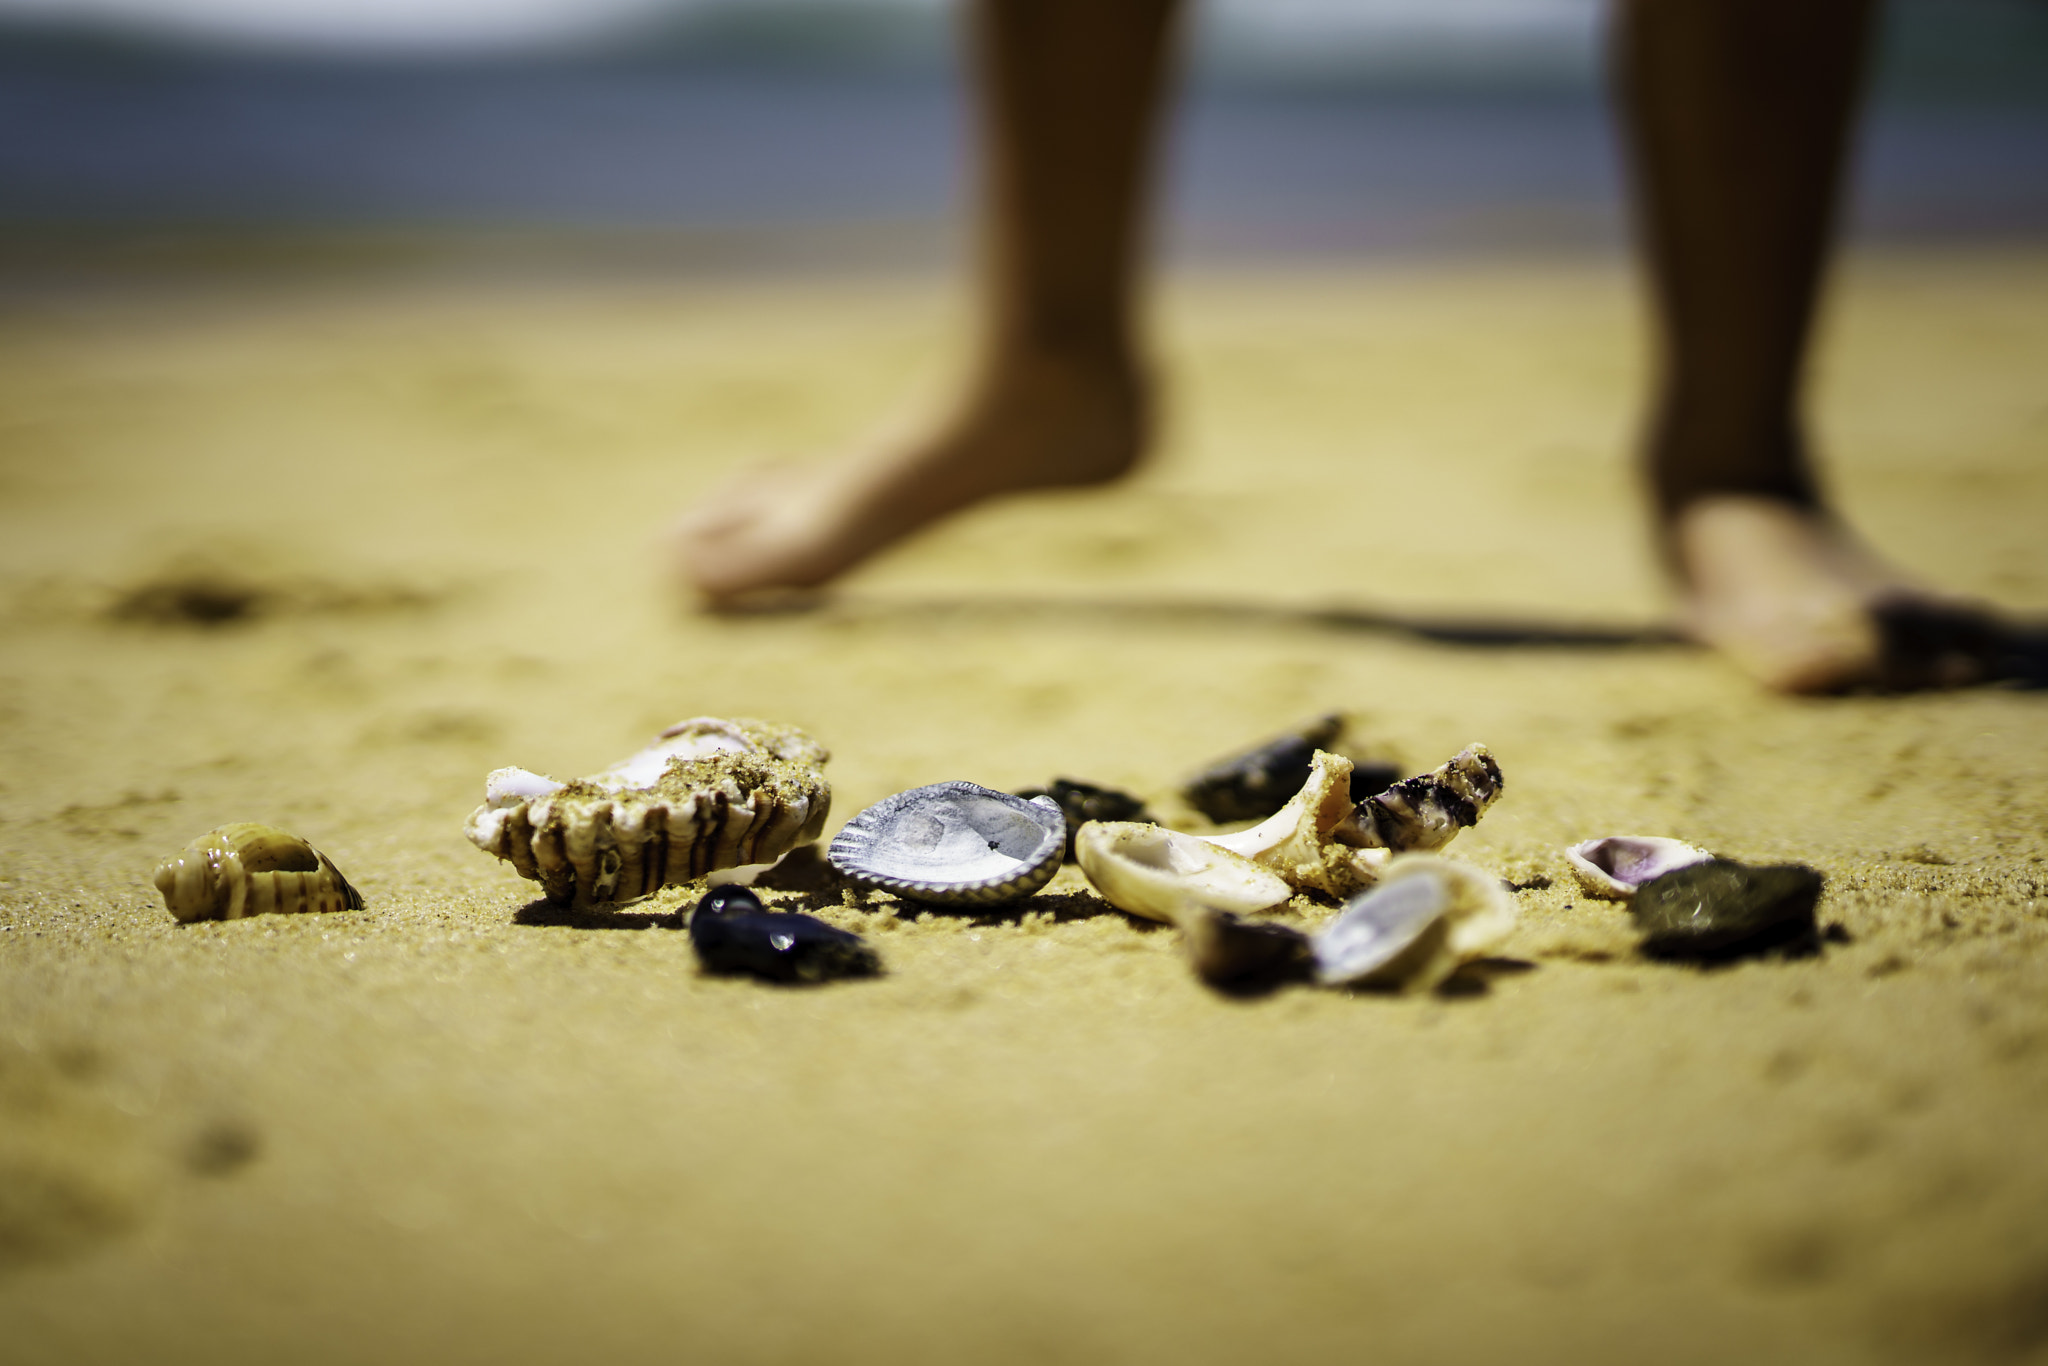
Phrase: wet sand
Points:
(463, 1126)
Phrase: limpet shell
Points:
(955, 843)
(1161, 874)
(248, 869)
(709, 793)
(1427, 916)
(1614, 866)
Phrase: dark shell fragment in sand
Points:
(1083, 802)
(1258, 782)
(1721, 909)
(1232, 952)
(733, 932)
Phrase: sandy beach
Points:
(462, 1125)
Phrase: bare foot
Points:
(1038, 424)
(1794, 600)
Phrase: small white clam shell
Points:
(1163, 874)
(1297, 840)
(1614, 866)
(954, 843)
(1427, 916)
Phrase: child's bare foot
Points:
(1791, 597)
(1040, 423)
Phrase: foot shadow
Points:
(1479, 631)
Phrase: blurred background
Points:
(521, 135)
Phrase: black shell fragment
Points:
(1083, 802)
(1234, 954)
(733, 932)
(1253, 785)
(1718, 910)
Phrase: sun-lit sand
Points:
(461, 1126)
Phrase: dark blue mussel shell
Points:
(733, 932)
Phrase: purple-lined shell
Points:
(1614, 866)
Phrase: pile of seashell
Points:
(722, 800)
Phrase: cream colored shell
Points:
(1299, 840)
(1165, 875)
(247, 869)
(707, 794)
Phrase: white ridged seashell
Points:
(248, 869)
(1298, 841)
(955, 843)
(1162, 874)
(1614, 866)
(709, 793)
(1427, 916)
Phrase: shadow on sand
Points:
(1926, 646)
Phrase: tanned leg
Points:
(1738, 114)
(1071, 92)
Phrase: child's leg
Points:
(1071, 93)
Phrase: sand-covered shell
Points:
(1614, 866)
(1426, 813)
(1161, 874)
(1299, 840)
(248, 869)
(955, 843)
(707, 794)
(1427, 916)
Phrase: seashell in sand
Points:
(246, 869)
(733, 932)
(707, 794)
(1231, 952)
(1426, 813)
(1253, 785)
(1084, 802)
(1717, 910)
(1299, 840)
(953, 843)
(1427, 916)
(1163, 874)
(1614, 866)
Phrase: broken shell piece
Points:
(1253, 785)
(1427, 916)
(246, 869)
(707, 794)
(1084, 802)
(1426, 813)
(1162, 874)
(733, 932)
(1721, 909)
(1615, 866)
(1297, 840)
(953, 843)
(1229, 951)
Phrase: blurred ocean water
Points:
(774, 126)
